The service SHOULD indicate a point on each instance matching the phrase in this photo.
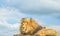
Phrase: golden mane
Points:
(28, 25)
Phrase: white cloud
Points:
(56, 27)
(10, 26)
(34, 4)
(39, 7)
(8, 14)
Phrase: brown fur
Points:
(29, 26)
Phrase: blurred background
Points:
(45, 12)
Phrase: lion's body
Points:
(46, 32)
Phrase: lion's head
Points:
(28, 25)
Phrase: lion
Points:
(30, 27)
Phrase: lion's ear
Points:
(23, 18)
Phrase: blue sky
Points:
(45, 12)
